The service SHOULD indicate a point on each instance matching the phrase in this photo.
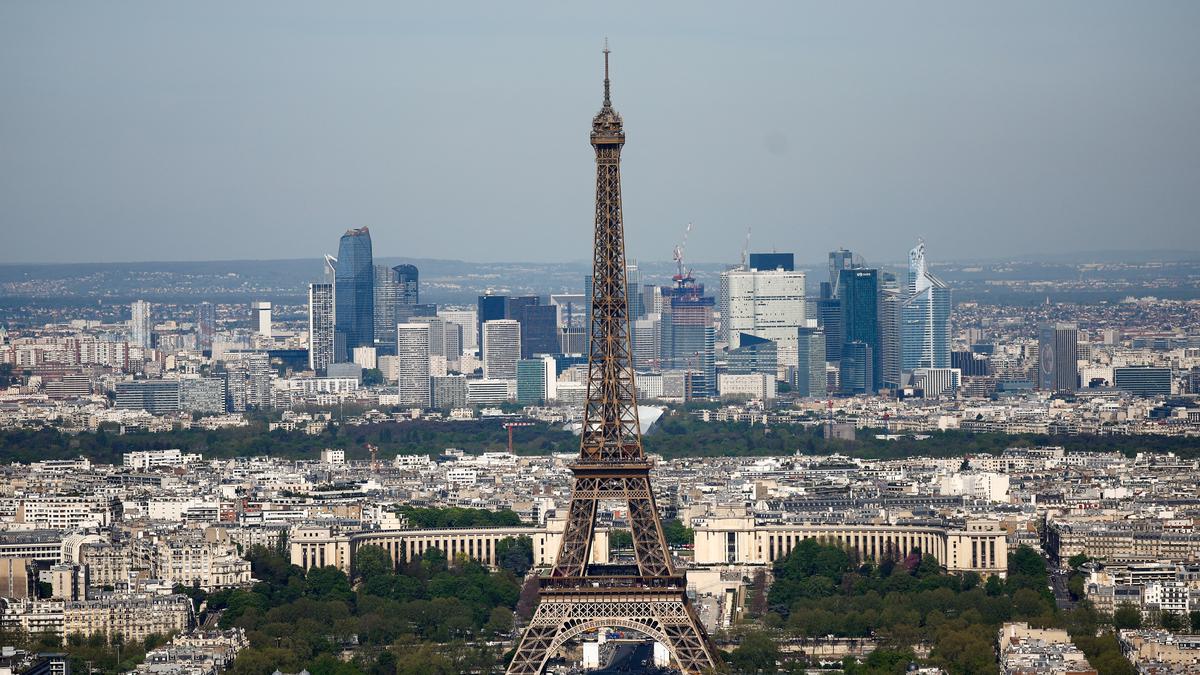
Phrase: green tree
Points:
(620, 540)
(757, 653)
(1127, 615)
(1171, 621)
(677, 534)
(515, 554)
(371, 561)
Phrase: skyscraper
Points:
(320, 326)
(889, 331)
(354, 292)
(829, 319)
(773, 261)
(531, 381)
(810, 367)
(689, 336)
(412, 354)
(262, 318)
(206, 326)
(501, 349)
(396, 291)
(839, 260)
(858, 291)
(467, 320)
(633, 281)
(766, 303)
(1058, 357)
(490, 308)
(925, 317)
(539, 330)
(139, 324)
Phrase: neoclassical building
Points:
(981, 546)
(320, 546)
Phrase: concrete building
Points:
(262, 318)
(412, 376)
(980, 546)
(766, 303)
(501, 349)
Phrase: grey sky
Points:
(169, 131)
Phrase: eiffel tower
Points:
(649, 598)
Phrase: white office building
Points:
(412, 371)
(765, 303)
(501, 349)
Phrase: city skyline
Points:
(1025, 135)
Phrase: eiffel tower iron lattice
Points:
(578, 596)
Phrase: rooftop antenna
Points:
(607, 100)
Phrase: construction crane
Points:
(509, 426)
(680, 277)
(374, 450)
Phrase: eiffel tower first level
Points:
(577, 596)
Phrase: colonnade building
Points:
(980, 546)
(320, 545)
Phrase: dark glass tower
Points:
(858, 291)
(354, 292)
(490, 308)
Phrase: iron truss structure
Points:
(577, 596)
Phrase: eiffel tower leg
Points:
(649, 544)
(662, 617)
(535, 646)
(576, 546)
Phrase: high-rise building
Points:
(539, 330)
(157, 397)
(320, 326)
(858, 291)
(646, 335)
(810, 368)
(689, 337)
(354, 292)
(490, 308)
(449, 391)
(412, 351)
(437, 333)
(753, 355)
(206, 326)
(1058, 364)
(262, 318)
(765, 303)
(839, 260)
(889, 331)
(633, 281)
(501, 349)
(531, 381)
(140, 325)
(857, 368)
(829, 319)
(937, 382)
(204, 395)
(467, 320)
(396, 288)
(773, 261)
(247, 380)
(408, 277)
(574, 340)
(925, 317)
(1143, 380)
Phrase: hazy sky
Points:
(171, 130)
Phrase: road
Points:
(631, 657)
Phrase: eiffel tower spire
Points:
(578, 595)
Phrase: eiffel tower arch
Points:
(651, 597)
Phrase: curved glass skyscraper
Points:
(924, 317)
(354, 293)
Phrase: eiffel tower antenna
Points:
(579, 595)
